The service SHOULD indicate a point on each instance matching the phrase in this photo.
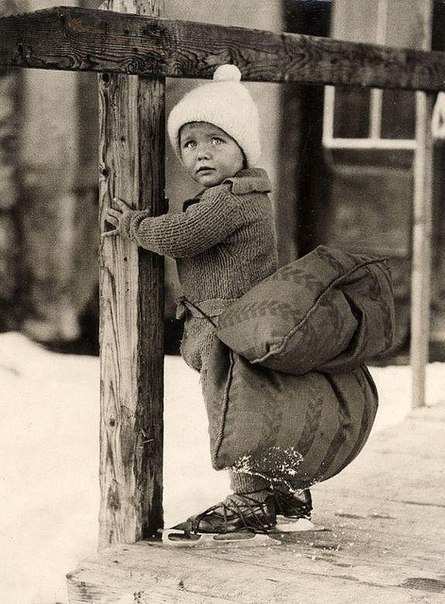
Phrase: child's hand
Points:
(114, 217)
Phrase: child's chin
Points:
(209, 180)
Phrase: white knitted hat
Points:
(224, 102)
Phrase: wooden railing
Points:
(119, 45)
(94, 40)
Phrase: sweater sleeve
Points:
(199, 228)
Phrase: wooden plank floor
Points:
(384, 541)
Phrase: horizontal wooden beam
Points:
(95, 40)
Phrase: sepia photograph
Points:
(222, 301)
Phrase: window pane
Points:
(354, 20)
(351, 112)
(398, 114)
(408, 23)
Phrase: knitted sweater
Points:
(224, 242)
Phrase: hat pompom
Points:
(227, 73)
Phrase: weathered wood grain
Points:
(91, 40)
(131, 318)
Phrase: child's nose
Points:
(204, 152)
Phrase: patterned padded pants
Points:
(196, 343)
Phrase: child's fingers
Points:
(112, 233)
(121, 204)
(113, 217)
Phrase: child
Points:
(224, 244)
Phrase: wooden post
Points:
(131, 306)
(421, 262)
(422, 229)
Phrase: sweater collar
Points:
(249, 180)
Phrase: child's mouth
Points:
(204, 169)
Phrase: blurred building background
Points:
(351, 197)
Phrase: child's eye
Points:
(189, 144)
(217, 141)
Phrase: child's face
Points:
(209, 154)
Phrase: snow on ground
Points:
(49, 458)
